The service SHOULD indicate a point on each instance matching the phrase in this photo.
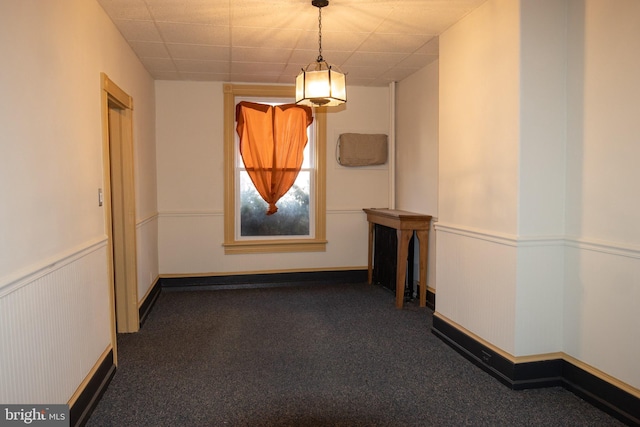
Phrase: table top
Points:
(398, 218)
(399, 214)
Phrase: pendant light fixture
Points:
(320, 84)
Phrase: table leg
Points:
(401, 264)
(423, 237)
(370, 258)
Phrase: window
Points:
(295, 210)
(299, 224)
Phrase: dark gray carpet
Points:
(314, 355)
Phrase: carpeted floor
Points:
(314, 355)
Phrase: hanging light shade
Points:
(321, 84)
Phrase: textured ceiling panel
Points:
(385, 42)
(132, 30)
(198, 51)
(200, 34)
(150, 49)
(127, 9)
(332, 41)
(255, 54)
(202, 66)
(374, 41)
(212, 12)
(159, 64)
(265, 37)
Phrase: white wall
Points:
(538, 248)
(479, 119)
(502, 148)
(54, 294)
(417, 151)
(541, 172)
(542, 117)
(417, 141)
(190, 184)
(476, 249)
(603, 251)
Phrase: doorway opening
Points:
(119, 207)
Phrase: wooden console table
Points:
(405, 223)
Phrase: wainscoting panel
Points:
(476, 277)
(147, 254)
(539, 296)
(55, 323)
(602, 308)
(190, 243)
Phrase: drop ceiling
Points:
(373, 41)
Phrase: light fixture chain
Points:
(320, 34)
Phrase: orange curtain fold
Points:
(272, 142)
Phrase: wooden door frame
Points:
(124, 292)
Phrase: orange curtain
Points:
(272, 141)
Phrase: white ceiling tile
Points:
(372, 59)
(201, 66)
(194, 33)
(158, 64)
(150, 49)
(290, 70)
(417, 61)
(358, 17)
(384, 42)
(126, 9)
(196, 51)
(265, 37)
(331, 41)
(144, 31)
(305, 57)
(205, 77)
(254, 54)
(268, 15)
(254, 78)
(421, 20)
(268, 68)
(365, 72)
(191, 11)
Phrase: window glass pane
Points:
(306, 160)
(292, 217)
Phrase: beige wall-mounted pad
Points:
(357, 149)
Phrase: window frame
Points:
(318, 242)
(308, 167)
